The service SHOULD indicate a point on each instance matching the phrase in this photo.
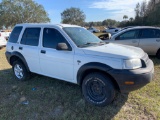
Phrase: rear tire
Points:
(20, 71)
(98, 89)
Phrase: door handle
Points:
(158, 40)
(12, 48)
(20, 48)
(43, 51)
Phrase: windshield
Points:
(82, 37)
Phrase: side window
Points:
(31, 36)
(15, 34)
(51, 38)
(132, 34)
(148, 33)
(157, 33)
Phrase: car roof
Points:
(141, 27)
(136, 27)
(46, 24)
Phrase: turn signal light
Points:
(129, 83)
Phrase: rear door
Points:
(150, 40)
(130, 37)
(29, 48)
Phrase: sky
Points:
(95, 10)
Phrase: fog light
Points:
(129, 83)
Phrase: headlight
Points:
(132, 64)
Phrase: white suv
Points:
(73, 54)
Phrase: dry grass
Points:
(46, 98)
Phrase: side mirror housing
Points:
(62, 46)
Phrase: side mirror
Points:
(62, 46)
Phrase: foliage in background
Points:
(146, 14)
(73, 16)
(125, 17)
(21, 11)
(107, 23)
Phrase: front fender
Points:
(91, 66)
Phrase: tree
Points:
(137, 10)
(143, 9)
(131, 19)
(73, 16)
(125, 17)
(146, 14)
(109, 22)
(21, 11)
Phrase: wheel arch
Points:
(18, 56)
(95, 67)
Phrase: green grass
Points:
(54, 99)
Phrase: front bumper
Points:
(140, 77)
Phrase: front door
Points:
(56, 63)
(128, 38)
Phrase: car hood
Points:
(115, 50)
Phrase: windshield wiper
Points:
(92, 43)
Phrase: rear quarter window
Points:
(15, 34)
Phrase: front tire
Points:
(98, 89)
(20, 71)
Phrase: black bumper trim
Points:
(8, 55)
(140, 77)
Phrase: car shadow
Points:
(49, 92)
(155, 60)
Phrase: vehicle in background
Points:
(5, 34)
(3, 42)
(111, 30)
(147, 38)
(127, 27)
(105, 36)
(93, 30)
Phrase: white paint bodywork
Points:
(63, 64)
